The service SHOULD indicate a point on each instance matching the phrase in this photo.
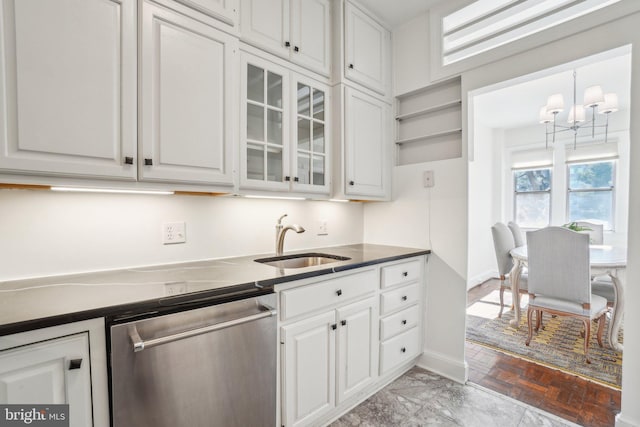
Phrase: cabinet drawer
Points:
(399, 298)
(294, 302)
(400, 273)
(399, 349)
(399, 322)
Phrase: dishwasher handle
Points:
(139, 344)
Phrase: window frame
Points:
(612, 188)
(516, 192)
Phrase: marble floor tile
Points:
(422, 398)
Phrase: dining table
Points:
(605, 260)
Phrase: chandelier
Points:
(594, 98)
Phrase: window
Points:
(532, 197)
(590, 194)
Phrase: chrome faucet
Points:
(281, 231)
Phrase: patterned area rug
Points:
(558, 346)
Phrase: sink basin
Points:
(301, 260)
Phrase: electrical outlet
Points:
(173, 232)
(175, 288)
(323, 229)
(427, 178)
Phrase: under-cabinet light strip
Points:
(109, 190)
(274, 197)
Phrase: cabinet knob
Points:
(352, 183)
(404, 297)
(287, 44)
(287, 178)
(339, 292)
(404, 322)
(148, 162)
(351, 66)
(295, 48)
(334, 326)
(75, 364)
(405, 274)
(296, 179)
(403, 349)
(128, 160)
(343, 322)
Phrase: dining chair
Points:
(517, 233)
(600, 285)
(503, 243)
(560, 281)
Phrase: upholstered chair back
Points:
(518, 238)
(595, 232)
(503, 243)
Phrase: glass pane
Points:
(318, 104)
(274, 90)
(318, 170)
(304, 134)
(304, 100)
(532, 210)
(255, 122)
(304, 168)
(532, 180)
(255, 84)
(255, 161)
(318, 137)
(592, 205)
(274, 164)
(274, 127)
(591, 175)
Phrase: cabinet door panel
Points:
(265, 23)
(309, 369)
(357, 347)
(311, 26)
(68, 87)
(224, 10)
(186, 107)
(39, 374)
(367, 50)
(366, 139)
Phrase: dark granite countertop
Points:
(35, 303)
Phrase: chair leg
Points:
(538, 320)
(501, 300)
(601, 320)
(530, 325)
(587, 337)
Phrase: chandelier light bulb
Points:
(555, 103)
(593, 96)
(578, 111)
(610, 104)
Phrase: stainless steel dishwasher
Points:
(212, 366)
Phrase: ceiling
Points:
(397, 12)
(519, 105)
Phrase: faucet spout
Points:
(282, 232)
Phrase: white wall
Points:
(50, 233)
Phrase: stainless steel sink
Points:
(301, 260)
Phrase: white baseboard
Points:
(441, 364)
(481, 278)
(620, 422)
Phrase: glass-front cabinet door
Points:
(310, 137)
(264, 133)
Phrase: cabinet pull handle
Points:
(287, 44)
(351, 66)
(287, 178)
(334, 326)
(343, 322)
(404, 322)
(128, 160)
(75, 364)
(148, 162)
(296, 48)
(296, 179)
(339, 292)
(404, 297)
(405, 274)
(403, 349)
(352, 183)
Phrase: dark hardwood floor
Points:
(567, 396)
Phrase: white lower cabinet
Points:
(59, 365)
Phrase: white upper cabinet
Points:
(68, 88)
(366, 146)
(297, 30)
(367, 48)
(187, 120)
(223, 10)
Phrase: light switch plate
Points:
(428, 179)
